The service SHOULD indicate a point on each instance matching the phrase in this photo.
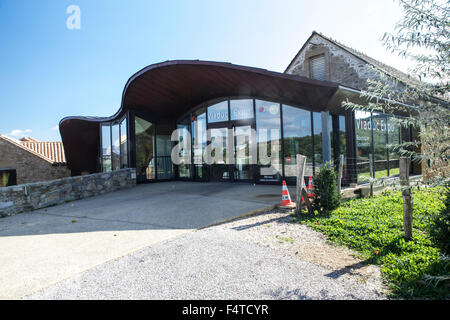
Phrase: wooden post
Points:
(301, 163)
(407, 198)
(372, 174)
(341, 168)
(307, 201)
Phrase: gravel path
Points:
(260, 257)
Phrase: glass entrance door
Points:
(243, 167)
(220, 168)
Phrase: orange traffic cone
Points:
(285, 197)
(310, 187)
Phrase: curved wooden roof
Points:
(170, 89)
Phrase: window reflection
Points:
(199, 143)
(241, 109)
(379, 124)
(163, 151)
(394, 139)
(115, 153)
(145, 149)
(106, 148)
(123, 144)
(363, 144)
(269, 140)
(297, 139)
(184, 169)
(317, 124)
(218, 112)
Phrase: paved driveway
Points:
(43, 247)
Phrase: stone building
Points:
(28, 160)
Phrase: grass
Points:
(373, 227)
(365, 176)
(285, 239)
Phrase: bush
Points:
(439, 227)
(326, 195)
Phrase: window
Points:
(145, 149)
(317, 68)
(241, 109)
(297, 139)
(164, 165)
(268, 126)
(123, 144)
(8, 177)
(394, 139)
(106, 147)
(363, 144)
(317, 124)
(379, 126)
(115, 150)
(198, 132)
(184, 168)
(218, 112)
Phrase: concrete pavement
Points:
(43, 247)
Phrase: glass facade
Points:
(219, 155)
(374, 133)
(218, 112)
(184, 168)
(114, 145)
(394, 138)
(317, 124)
(379, 125)
(268, 124)
(123, 144)
(164, 165)
(145, 149)
(199, 142)
(241, 109)
(115, 150)
(297, 139)
(106, 148)
(363, 129)
(246, 139)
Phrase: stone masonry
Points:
(30, 166)
(342, 66)
(32, 196)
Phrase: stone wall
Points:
(32, 196)
(342, 66)
(29, 167)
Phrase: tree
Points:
(422, 36)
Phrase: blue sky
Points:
(49, 72)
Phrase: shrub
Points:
(327, 197)
(439, 227)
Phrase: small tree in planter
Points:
(326, 195)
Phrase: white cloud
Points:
(55, 128)
(19, 132)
